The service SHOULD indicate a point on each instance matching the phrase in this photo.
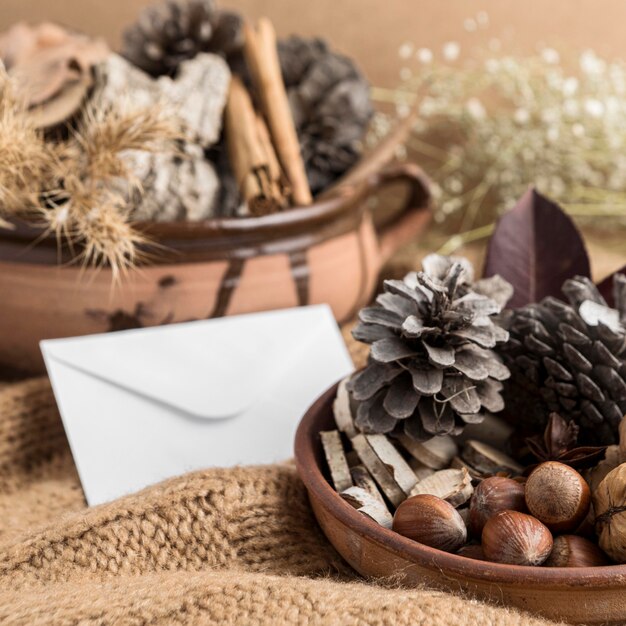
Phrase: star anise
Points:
(559, 444)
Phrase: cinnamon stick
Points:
(251, 154)
(262, 59)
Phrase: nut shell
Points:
(609, 502)
(575, 551)
(491, 496)
(558, 496)
(431, 521)
(516, 538)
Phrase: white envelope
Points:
(143, 405)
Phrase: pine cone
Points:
(167, 34)
(570, 358)
(331, 106)
(431, 368)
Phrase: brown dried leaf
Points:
(536, 247)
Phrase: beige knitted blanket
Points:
(235, 546)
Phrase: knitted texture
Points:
(227, 546)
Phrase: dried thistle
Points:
(92, 211)
(25, 160)
(81, 188)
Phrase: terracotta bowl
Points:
(329, 252)
(578, 595)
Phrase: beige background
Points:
(372, 30)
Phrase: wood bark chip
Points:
(389, 455)
(365, 503)
(336, 459)
(262, 58)
(492, 430)
(487, 459)
(251, 154)
(452, 485)
(435, 453)
(381, 473)
(342, 412)
(421, 471)
(362, 478)
(458, 463)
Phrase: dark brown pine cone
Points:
(331, 105)
(169, 33)
(569, 358)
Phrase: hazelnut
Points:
(574, 551)
(609, 501)
(431, 521)
(472, 551)
(516, 538)
(558, 496)
(491, 496)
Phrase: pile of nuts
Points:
(538, 521)
(465, 496)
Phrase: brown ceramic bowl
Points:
(329, 252)
(589, 595)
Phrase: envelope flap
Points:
(210, 369)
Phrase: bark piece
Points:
(175, 188)
(452, 485)
(336, 459)
(362, 478)
(493, 431)
(389, 455)
(436, 453)
(342, 411)
(381, 473)
(197, 96)
(421, 471)
(365, 503)
(487, 459)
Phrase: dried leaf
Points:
(536, 248)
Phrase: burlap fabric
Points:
(237, 546)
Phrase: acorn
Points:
(516, 538)
(558, 496)
(492, 495)
(431, 521)
(575, 551)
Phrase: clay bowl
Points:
(329, 252)
(578, 595)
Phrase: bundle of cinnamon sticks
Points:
(263, 145)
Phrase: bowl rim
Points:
(316, 484)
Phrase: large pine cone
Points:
(331, 105)
(570, 358)
(167, 34)
(431, 368)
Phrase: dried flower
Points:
(559, 444)
(501, 123)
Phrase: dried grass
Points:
(80, 189)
